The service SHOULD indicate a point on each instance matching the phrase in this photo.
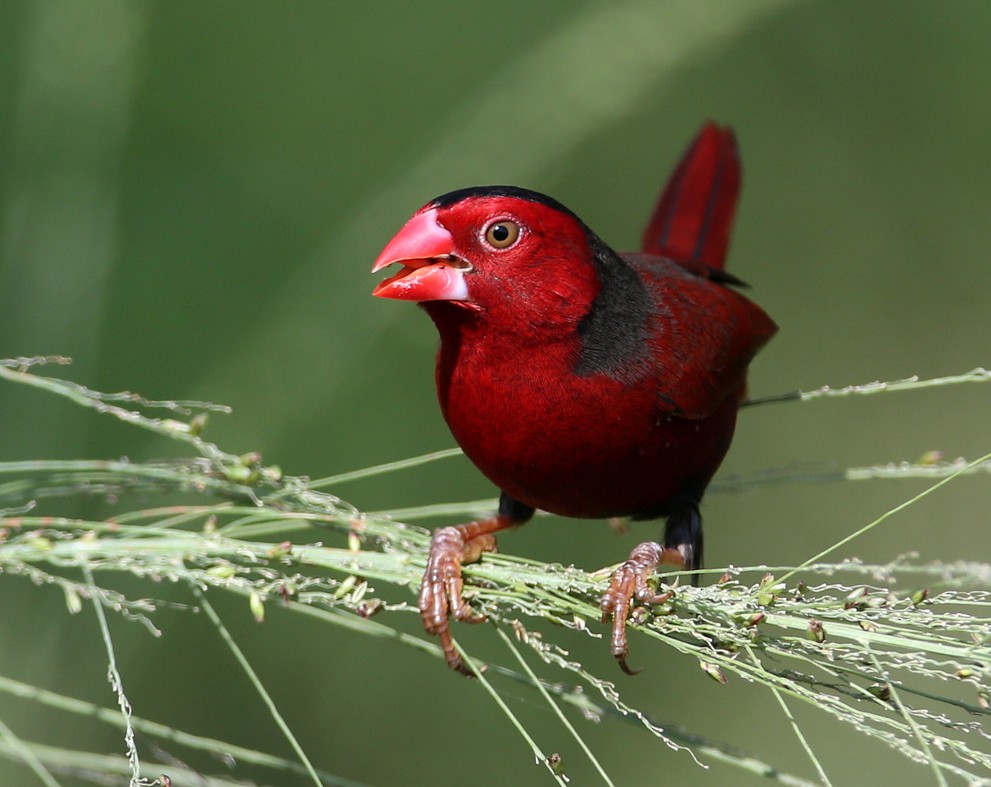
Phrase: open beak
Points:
(431, 271)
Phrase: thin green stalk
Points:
(916, 731)
(413, 513)
(794, 725)
(176, 430)
(113, 675)
(537, 753)
(554, 706)
(387, 467)
(242, 660)
(914, 383)
(26, 753)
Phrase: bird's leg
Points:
(440, 589)
(682, 547)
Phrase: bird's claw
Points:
(629, 582)
(441, 594)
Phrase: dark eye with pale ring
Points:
(502, 234)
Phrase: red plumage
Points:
(578, 380)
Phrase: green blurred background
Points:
(192, 194)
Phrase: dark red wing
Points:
(693, 217)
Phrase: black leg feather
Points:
(514, 510)
(683, 531)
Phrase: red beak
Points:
(432, 271)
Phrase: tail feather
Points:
(694, 215)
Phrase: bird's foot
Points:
(629, 583)
(441, 588)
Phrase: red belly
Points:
(596, 450)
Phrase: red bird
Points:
(581, 381)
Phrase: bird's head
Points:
(487, 249)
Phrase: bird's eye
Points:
(502, 234)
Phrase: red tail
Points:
(694, 215)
